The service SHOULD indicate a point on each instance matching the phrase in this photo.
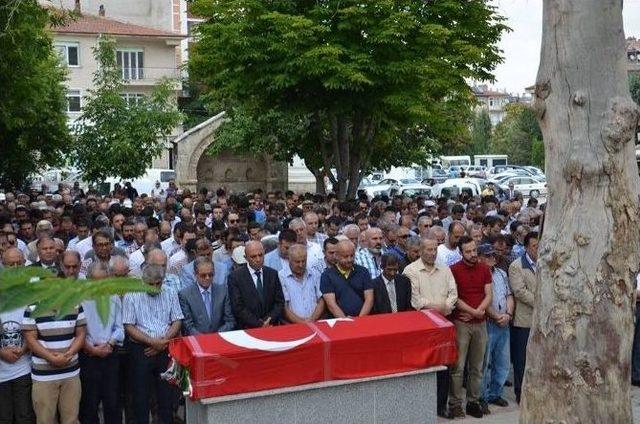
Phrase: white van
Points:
(454, 186)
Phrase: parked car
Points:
(454, 186)
(411, 190)
(406, 181)
(528, 186)
(437, 176)
(476, 171)
(388, 186)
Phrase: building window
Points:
(74, 101)
(132, 98)
(131, 63)
(68, 52)
(491, 102)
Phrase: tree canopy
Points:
(119, 138)
(33, 120)
(481, 132)
(354, 77)
(519, 136)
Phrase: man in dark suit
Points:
(206, 306)
(47, 255)
(391, 291)
(255, 291)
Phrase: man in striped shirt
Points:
(151, 320)
(54, 343)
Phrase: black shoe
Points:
(485, 407)
(474, 409)
(508, 383)
(456, 412)
(499, 401)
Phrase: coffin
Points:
(253, 360)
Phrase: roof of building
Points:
(633, 44)
(91, 24)
(490, 93)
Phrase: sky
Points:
(521, 47)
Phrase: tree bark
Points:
(579, 352)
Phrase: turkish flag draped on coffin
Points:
(345, 348)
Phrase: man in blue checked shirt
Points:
(370, 256)
(500, 312)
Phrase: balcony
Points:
(149, 76)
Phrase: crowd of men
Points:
(236, 261)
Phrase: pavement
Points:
(511, 413)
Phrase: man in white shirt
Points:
(448, 253)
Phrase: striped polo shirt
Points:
(55, 334)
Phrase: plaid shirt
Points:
(366, 259)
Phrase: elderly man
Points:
(425, 222)
(151, 320)
(206, 306)
(352, 232)
(15, 360)
(315, 258)
(301, 288)
(347, 288)
(370, 255)
(159, 258)
(47, 254)
(413, 250)
(99, 362)
(70, 264)
(433, 287)
(278, 259)
(255, 290)
(119, 266)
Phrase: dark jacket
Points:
(381, 303)
(249, 310)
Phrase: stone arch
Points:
(194, 169)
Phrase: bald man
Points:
(255, 291)
(12, 257)
(371, 253)
(347, 289)
(15, 361)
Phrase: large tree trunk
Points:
(579, 353)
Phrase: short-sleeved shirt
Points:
(301, 296)
(55, 334)
(471, 281)
(152, 314)
(11, 337)
(349, 291)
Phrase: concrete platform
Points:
(405, 398)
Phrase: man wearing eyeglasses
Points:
(206, 306)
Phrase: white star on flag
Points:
(332, 322)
